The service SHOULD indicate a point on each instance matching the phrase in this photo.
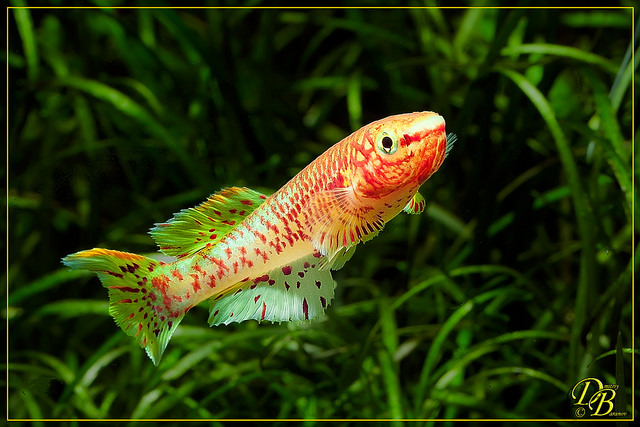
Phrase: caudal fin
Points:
(137, 295)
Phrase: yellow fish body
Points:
(269, 258)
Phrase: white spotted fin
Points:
(297, 291)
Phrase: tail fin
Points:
(137, 295)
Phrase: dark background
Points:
(512, 286)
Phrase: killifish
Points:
(270, 257)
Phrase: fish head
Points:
(397, 153)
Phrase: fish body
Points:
(269, 258)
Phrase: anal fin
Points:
(297, 291)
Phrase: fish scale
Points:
(269, 258)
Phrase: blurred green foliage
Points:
(514, 285)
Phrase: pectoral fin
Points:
(339, 221)
(415, 205)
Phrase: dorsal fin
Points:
(194, 229)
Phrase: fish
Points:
(269, 258)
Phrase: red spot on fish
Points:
(260, 279)
(216, 313)
(263, 254)
(238, 291)
(176, 273)
(318, 284)
(124, 301)
(323, 302)
(150, 268)
(112, 273)
(306, 265)
(196, 282)
(260, 236)
(305, 308)
(298, 285)
(272, 227)
(286, 285)
(161, 283)
(125, 288)
(263, 197)
(217, 213)
(169, 323)
(232, 211)
(139, 328)
(130, 316)
(255, 300)
(228, 251)
(228, 222)
(246, 202)
(212, 281)
(264, 309)
(301, 273)
(220, 263)
(271, 282)
(213, 236)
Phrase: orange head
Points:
(397, 153)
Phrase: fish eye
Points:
(387, 143)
